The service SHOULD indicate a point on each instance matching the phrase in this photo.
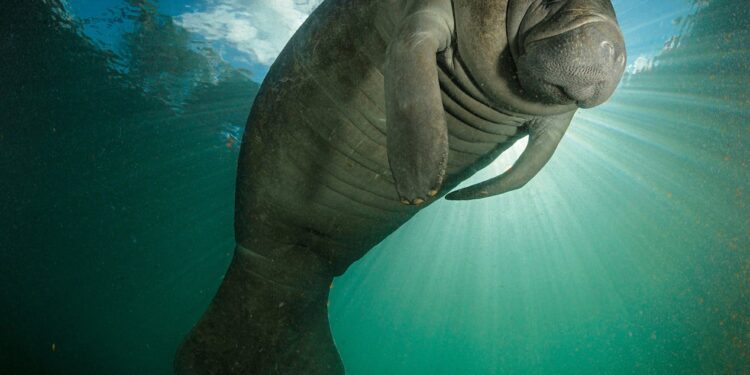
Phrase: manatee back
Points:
(313, 166)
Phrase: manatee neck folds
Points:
(502, 93)
(500, 96)
(538, 57)
(484, 64)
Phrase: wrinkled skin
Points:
(374, 110)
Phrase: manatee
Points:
(372, 111)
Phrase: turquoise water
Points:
(628, 254)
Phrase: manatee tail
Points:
(268, 317)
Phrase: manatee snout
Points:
(578, 61)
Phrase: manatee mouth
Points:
(575, 95)
(581, 95)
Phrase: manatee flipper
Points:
(417, 133)
(270, 316)
(545, 134)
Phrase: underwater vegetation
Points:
(628, 254)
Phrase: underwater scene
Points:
(120, 130)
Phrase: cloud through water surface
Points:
(257, 29)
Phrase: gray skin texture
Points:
(373, 110)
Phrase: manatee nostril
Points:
(607, 50)
(621, 59)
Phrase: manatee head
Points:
(566, 51)
(541, 56)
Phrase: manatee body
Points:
(373, 110)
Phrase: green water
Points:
(628, 254)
